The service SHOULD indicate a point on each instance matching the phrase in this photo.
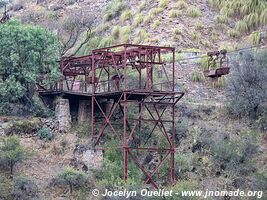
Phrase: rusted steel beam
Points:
(99, 70)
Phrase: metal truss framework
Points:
(108, 75)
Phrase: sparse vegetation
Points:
(193, 12)
(220, 123)
(125, 34)
(181, 4)
(252, 13)
(199, 25)
(242, 27)
(107, 41)
(255, 38)
(204, 62)
(25, 188)
(115, 32)
(197, 77)
(142, 36)
(195, 36)
(220, 82)
(176, 31)
(102, 27)
(126, 15)
(221, 19)
(6, 187)
(156, 24)
(214, 37)
(228, 12)
(164, 3)
(114, 9)
(138, 19)
(152, 13)
(175, 13)
(233, 33)
(142, 5)
(24, 127)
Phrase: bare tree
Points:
(73, 30)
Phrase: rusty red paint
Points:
(148, 95)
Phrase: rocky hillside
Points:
(191, 25)
(214, 150)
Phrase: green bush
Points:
(221, 19)
(30, 126)
(199, 25)
(195, 36)
(181, 4)
(262, 121)
(260, 181)
(164, 3)
(126, 15)
(111, 176)
(125, 34)
(177, 31)
(193, 12)
(21, 64)
(228, 154)
(255, 38)
(11, 152)
(233, 33)
(106, 41)
(156, 24)
(242, 26)
(175, 13)
(45, 134)
(6, 187)
(24, 188)
(214, 36)
(252, 12)
(246, 91)
(263, 17)
(113, 9)
(142, 6)
(204, 62)
(228, 12)
(152, 13)
(138, 19)
(102, 27)
(183, 163)
(72, 178)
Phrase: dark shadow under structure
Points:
(136, 82)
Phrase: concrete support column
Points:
(84, 111)
(63, 114)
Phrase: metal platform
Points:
(126, 75)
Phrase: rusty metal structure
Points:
(126, 78)
(217, 64)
